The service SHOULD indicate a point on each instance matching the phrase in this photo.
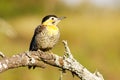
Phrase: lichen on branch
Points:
(40, 59)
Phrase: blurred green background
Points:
(92, 29)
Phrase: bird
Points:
(46, 35)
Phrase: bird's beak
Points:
(61, 18)
(58, 20)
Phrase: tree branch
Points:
(39, 58)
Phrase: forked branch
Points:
(39, 59)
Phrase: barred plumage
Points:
(42, 40)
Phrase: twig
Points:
(61, 75)
(67, 50)
(2, 55)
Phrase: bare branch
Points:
(2, 55)
(39, 58)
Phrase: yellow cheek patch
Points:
(52, 29)
(48, 22)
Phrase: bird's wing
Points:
(33, 44)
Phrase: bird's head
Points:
(51, 20)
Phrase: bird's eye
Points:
(52, 18)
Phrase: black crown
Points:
(47, 17)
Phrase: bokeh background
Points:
(92, 29)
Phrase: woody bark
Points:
(40, 59)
